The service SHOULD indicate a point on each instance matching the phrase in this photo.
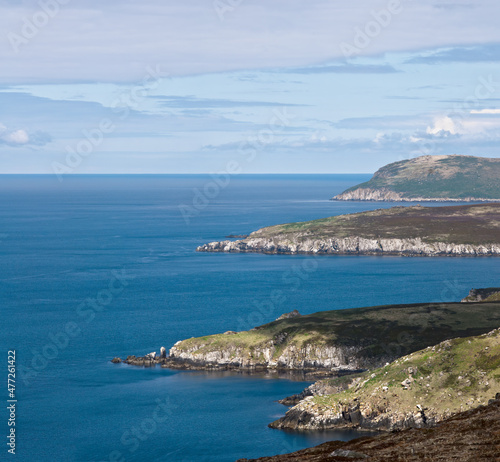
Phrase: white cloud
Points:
(443, 124)
(17, 137)
(21, 137)
(485, 111)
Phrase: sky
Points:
(250, 86)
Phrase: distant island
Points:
(460, 230)
(431, 178)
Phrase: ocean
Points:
(100, 266)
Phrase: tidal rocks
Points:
(145, 361)
(116, 360)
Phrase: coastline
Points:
(350, 246)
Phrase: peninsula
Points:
(431, 178)
(460, 230)
(337, 341)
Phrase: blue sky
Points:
(273, 86)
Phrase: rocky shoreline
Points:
(387, 195)
(355, 245)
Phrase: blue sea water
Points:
(64, 244)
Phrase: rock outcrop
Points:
(386, 195)
(323, 387)
(270, 356)
(292, 314)
(490, 294)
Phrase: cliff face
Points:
(417, 390)
(298, 243)
(271, 356)
(431, 178)
(387, 195)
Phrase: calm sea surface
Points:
(63, 245)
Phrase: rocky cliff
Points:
(271, 355)
(301, 243)
(465, 230)
(431, 178)
(417, 390)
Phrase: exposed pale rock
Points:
(300, 244)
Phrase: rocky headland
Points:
(431, 178)
(415, 391)
(334, 342)
(465, 230)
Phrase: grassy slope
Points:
(451, 376)
(440, 177)
(399, 329)
(462, 224)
